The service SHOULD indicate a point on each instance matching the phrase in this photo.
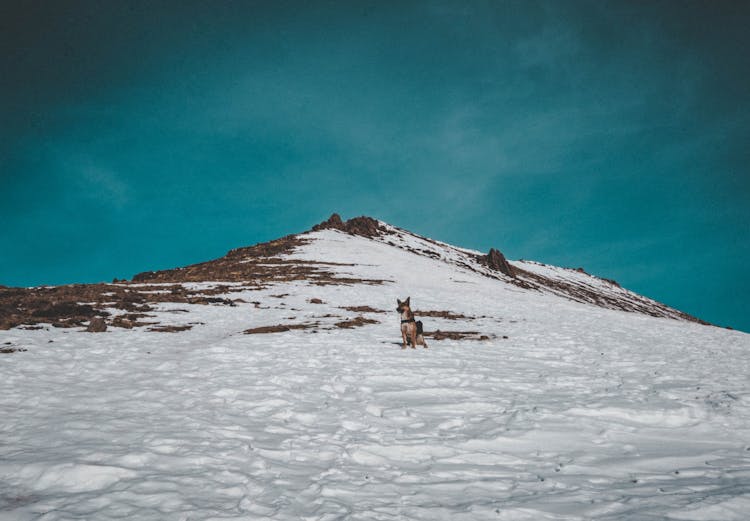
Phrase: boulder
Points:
(364, 226)
(334, 221)
(497, 261)
(97, 325)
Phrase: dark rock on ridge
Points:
(364, 226)
(334, 221)
(496, 260)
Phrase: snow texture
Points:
(580, 413)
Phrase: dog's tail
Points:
(420, 334)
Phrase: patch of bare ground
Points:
(278, 328)
(131, 320)
(260, 265)
(358, 321)
(97, 325)
(8, 348)
(77, 304)
(252, 263)
(255, 267)
(346, 281)
(443, 314)
(362, 309)
(213, 300)
(170, 328)
(456, 335)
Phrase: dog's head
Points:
(403, 306)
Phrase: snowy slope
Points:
(565, 410)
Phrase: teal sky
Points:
(609, 135)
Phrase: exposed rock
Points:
(355, 322)
(123, 322)
(364, 226)
(456, 335)
(363, 309)
(442, 314)
(497, 261)
(97, 325)
(273, 248)
(170, 328)
(260, 263)
(334, 221)
(279, 328)
(8, 350)
(212, 300)
(131, 320)
(611, 281)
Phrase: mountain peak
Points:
(570, 284)
(362, 225)
(371, 252)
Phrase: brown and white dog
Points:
(410, 328)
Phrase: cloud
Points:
(101, 183)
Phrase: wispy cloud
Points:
(102, 183)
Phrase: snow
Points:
(581, 413)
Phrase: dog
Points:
(410, 328)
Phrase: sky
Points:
(599, 134)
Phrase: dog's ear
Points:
(407, 300)
(398, 301)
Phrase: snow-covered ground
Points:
(580, 413)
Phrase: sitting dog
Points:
(410, 328)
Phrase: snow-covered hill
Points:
(271, 384)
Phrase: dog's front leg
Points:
(403, 337)
(414, 339)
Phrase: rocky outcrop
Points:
(363, 226)
(334, 221)
(496, 260)
(97, 325)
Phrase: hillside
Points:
(266, 264)
(271, 384)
